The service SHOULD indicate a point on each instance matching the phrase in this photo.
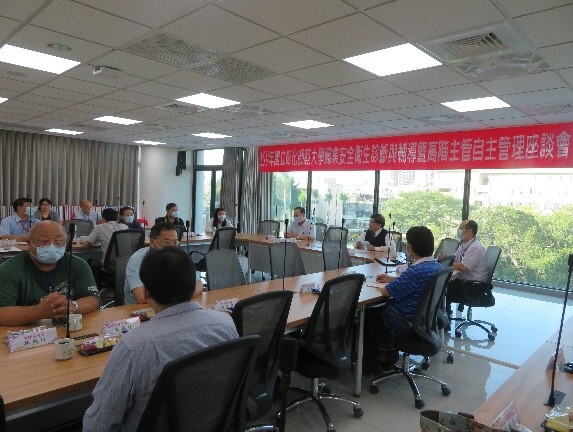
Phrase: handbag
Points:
(436, 421)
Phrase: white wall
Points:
(158, 184)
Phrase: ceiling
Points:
(283, 60)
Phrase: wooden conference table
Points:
(530, 385)
(32, 377)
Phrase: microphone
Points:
(284, 257)
(555, 394)
(187, 224)
(313, 211)
(343, 222)
(309, 233)
(72, 234)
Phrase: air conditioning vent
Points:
(504, 66)
(246, 111)
(181, 108)
(233, 70)
(472, 46)
(444, 119)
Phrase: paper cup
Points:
(76, 321)
(64, 349)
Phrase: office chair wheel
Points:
(458, 333)
(446, 390)
(374, 389)
(450, 358)
(491, 337)
(425, 365)
(419, 403)
(358, 412)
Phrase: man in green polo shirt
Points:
(34, 284)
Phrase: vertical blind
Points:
(257, 193)
(66, 170)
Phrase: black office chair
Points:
(447, 248)
(3, 427)
(205, 391)
(478, 294)
(335, 255)
(419, 337)
(325, 351)
(335, 234)
(290, 266)
(264, 315)
(224, 238)
(268, 227)
(83, 227)
(320, 231)
(223, 269)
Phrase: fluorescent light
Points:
(117, 120)
(64, 131)
(390, 61)
(208, 101)
(3, 99)
(149, 142)
(211, 135)
(308, 124)
(35, 60)
(478, 104)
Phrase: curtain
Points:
(229, 182)
(257, 192)
(66, 170)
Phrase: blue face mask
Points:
(129, 219)
(297, 219)
(50, 254)
(174, 214)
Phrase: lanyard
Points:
(467, 247)
(24, 227)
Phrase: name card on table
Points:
(225, 305)
(24, 339)
(310, 287)
(120, 326)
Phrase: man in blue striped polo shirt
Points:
(405, 292)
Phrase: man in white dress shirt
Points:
(102, 233)
(376, 238)
(301, 228)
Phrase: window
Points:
(207, 172)
(289, 191)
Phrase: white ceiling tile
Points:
(525, 83)
(539, 97)
(193, 81)
(185, 121)
(526, 7)
(85, 73)
(92, 110)
(158, 89)
(7, 26)
(37, 39)
(559, 56)
(18, 9)
(210, 27)
(150, 114)
(293, 55)
(281, 85)
(406, 124)
(79, 86)
(399, 101)
(423, 111)
(429, 78)
(499, 113)
(458, 92)
(5, 108)
(242, 94)
(252, 122)
(61, 94)
(70, 115)
(366, 4)
(103, 28)
(332, 74)
(553, 118)
(379, 116)
(135, 65)
(509, 122)
(151, 13)
(217, 115)
(41, 122)
(349, 36)
(278, 105)
(27, 75)
(288, 16)
(567, 74)
(19, 104)
(560, 31)
(429, 19)
(15, 85)
(8, 94)
(320, 97)
(352, 108)
(112, 104)
(368, 89)
(48, 101)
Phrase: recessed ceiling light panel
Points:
(64, 131)
(117, 120)
(478, 104)
(394, 60)
(149, 142)
(208, 101)
(3, 99)
(308, 124)
(35, 60)
(211, 135)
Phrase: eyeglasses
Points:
(167, 242)
(43, 243)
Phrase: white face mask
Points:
(174, 214)
(49, 254)
(297, 219)
(221, 218)
(460, 234)
(129, 219)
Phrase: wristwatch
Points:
(76, 305)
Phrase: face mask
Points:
(129, 219)
(221, 218)
(174, 214)
(460, 234)
(297, 219)
(49, 254)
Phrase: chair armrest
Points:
(445, 258)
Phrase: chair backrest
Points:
(223, 269)
(335, 255)
(122, 243)
(83, 227)
(320, 230)
(180, 230)
(224, 238)
(492, 254)
(334, 233)
(120, 267)
(285, 266)
(447, 247)
(268, 227)
(3, 427)
(330, 326)
(205, 391)
(264, 315)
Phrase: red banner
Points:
(540, 146)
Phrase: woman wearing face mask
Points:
(172, 216)
(45, 211)
(219, 220)
(127, 217)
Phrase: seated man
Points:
(469, 263)
(162, 235)
(127, 217)
(301, 228)
(178, 328)
(405, 292)
(17, 226)
(172, 216)
(103, 232)
(376, 237)
(33, 284)
(86, 212)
